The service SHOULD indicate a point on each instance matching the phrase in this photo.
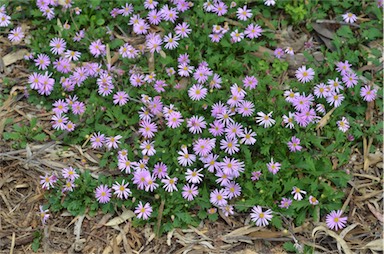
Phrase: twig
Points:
(327, 21)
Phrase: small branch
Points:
(326, 21)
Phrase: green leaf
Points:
(40, 137)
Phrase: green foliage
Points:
(36, 240)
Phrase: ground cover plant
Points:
(190, 122)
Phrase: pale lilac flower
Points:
(232, 190)
(43, 213)
(229, 145)
(103, 194)
(78, 108)
(222, 178)
(250, 82)
(237, 36)
(335, 99)
(5, 20)
(58, 121)
(368, 93)
(126, 10)
(278, 53)
(227, 210)
(42, 61)
(334, 85)
(121, 190)
(265, 120)
(112, 142)
(269, 2)
(148, 148)
(312, 200)
(335, 221)
(196, 124)
(170, 184)
(189, 192)
(218, 197)
(232, 167)
(197, 92)
(349, 17)
(184, 70)
(259, 217)
(215, 37)
(97, 48)
(233, 130)
(343, 68)
(70, 174)
(305, 75)
(72, 55)
(60, 106)
(203, 146)
(247, 137)
(255, 175)
(58, 45)
(243, 13)
(120, 98)
(294, 144)
(174, 120)
(343, 124)
(289, 51)
(211, 163)
(154, 17)
(285, 203)
(16, 35)
(289, 120)
(290, 95)
(253, 31)
(273, 167)
(220, 8)
(297, 193)
(183, 30)
(320, 90)
(147, 129)
(143, 212)
(47, 182)
(70, 126)
(185, 159)
(350, 79)
(160, 170)
(124, 164)
(150, 4)
(97, 140)
(194, 176)
(169, 14)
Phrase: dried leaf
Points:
(377, 214)
(14, 57)
(169, 236)
(323, 121)
(375, 245)
(243, 231)
(339, 240)
(120, 219)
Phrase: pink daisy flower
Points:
(194, 176)
(197, 92)
(113, 142)
(97, 48)
(57, 45)
(218, 197)
(97, 140)
(47, 182)
(185, 159)
(313, 201)
(260, 217)
(16, 35)
(294, 144)
(285, 203)
(196, 124)
(297, 193)
(335, 221)
(103, 194)
(265, 120)
(305, 75)
(368, 93)
(143, 211)
(343, 124)
(70, 173)
(189, 192)
(170, 184)
(174, 120)
(183, 30)
(349, 17)
(121, 190)
(147, 129)
(120, 98)
(42, 61)
(253, 31)
(273, 167)
(243, 13)
(43, 214)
